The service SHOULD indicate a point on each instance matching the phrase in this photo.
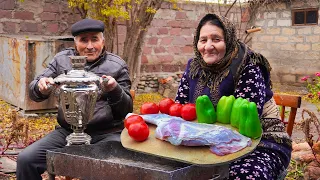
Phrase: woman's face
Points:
(211, 44)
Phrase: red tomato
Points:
(188, 112)
(132, 120)
(149, 108)
(175, 109)
(139, 131)
(165, 104)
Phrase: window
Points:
(305, 17)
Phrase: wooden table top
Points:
(193, 155)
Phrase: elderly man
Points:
(113, 105)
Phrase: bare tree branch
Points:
(230, 8)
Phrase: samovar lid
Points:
(77, 74)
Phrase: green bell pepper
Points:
(235, 113)
(224, 108)
(243, 118)
(250, 125)
(205, 110)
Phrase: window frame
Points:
(305, 10)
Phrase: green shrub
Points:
(313, 86)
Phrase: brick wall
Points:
(36, 17)
(293, 51)
(168, 43)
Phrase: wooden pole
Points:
(253, 30)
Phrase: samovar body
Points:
(78, 93)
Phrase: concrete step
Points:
(8, 165)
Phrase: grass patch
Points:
(295, 171)
(142, 98)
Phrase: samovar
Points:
(77, 96)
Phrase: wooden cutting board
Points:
(192, 155)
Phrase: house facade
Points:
(292, 49)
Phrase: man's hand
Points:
(45, 85)
(107, 83)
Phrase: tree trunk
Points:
(83, 13)
(109, 22)
(136, 65)
(129, 47)
(136, 31)
(110, 34)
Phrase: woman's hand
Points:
(45, 85)
(107, 83)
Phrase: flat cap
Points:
(87, 25)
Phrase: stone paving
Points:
(8, 164)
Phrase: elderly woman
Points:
(223, 66)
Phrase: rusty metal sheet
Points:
(21, 59)
(109, 160)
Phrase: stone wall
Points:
(304, 156)
(165, 84)
(293, 51)
(148, 83)
(36, 17)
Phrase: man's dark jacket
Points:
(111, 107)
